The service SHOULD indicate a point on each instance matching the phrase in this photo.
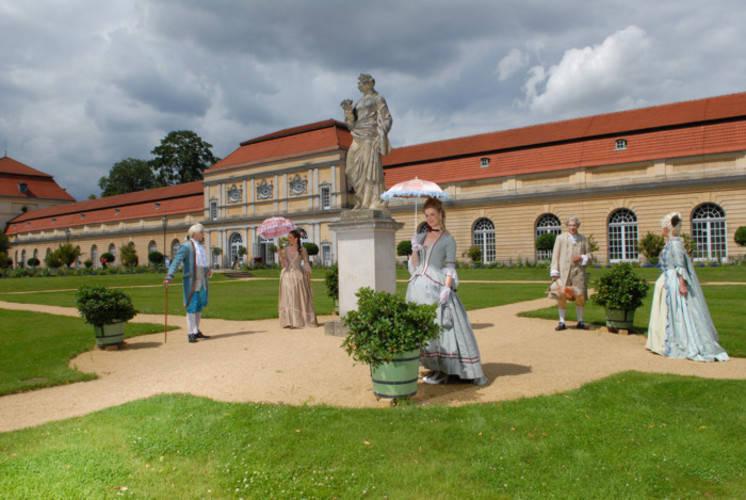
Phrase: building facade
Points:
(619, 172)
(24, 189)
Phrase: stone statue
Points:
(370, 122)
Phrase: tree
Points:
(53, 260)
(33, 262)
(182, 156)
(128, 254)
(93, 196)
(67, 254)
(128, 176)
(651, 247)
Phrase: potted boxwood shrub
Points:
(386, 332)
(107, 310)
(620, 292)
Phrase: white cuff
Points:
(554, 273)
(585, 260)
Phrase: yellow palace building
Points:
(619, 172)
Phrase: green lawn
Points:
(726, 305)
(66, 282)
(35, 349)
(627, 436)
(720, 273)
(250, 300)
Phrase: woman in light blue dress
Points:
(680, 323)
(432, 267)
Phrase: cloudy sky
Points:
(84, 84)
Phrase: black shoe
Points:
(200, 335)
(192, 338)
(560, 327)
(581, 326)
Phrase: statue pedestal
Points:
(366, 256)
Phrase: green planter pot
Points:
(397, 379)
(109, 334)
(620, 319)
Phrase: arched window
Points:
(709, 232)
(235, 242)
(113, 249)
(422, 227)
(483, 236)
(547, 224)
(16, 259)
(152, 247)
(175, 244)
(622, 236)
(23, 258)
(94, 256)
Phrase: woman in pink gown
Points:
(296, 300)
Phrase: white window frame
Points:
(546, 223)
(714, 229)
(620, 144)
(213, 209)
(624, 234)
(325, 195)
(483, 236)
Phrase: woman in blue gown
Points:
(432, 267)
(680, 323)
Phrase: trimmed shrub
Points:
(545, 242)
(156, 258)
(621, 288)
(741, 236)
(404, 248)
(103, 306)
(385, 325)
(311, 248)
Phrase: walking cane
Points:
(165, 318)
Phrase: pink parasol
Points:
(274, 227)
(415, 188)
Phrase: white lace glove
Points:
(445, 294)
(416, 247)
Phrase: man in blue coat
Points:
(193, 255)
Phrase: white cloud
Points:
(511, 64)
(608, 72)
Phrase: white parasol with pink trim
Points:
(415, 188)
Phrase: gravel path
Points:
(258, 361)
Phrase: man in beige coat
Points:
(570, 257)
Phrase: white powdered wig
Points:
(197, 228)
(573, 218)
(673, 222)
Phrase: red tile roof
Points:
(10, 166)
(327, 135)
(686, 113)
(38, 184)
(179, 199)
(712, 138)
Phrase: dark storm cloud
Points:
(85, 84)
